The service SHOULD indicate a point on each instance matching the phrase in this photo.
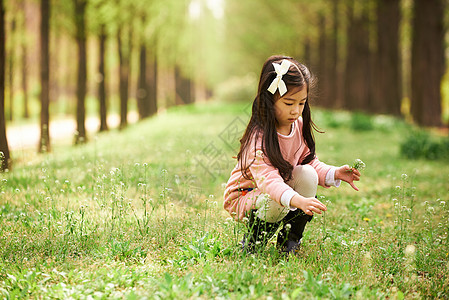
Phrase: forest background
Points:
(75, 58)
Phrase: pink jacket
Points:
(264, 178)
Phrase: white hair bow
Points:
(278, 83)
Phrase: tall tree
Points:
(44, 141)
(80, 24)
(124, 47)
(357, 73)
(102, 82)
(11, 58)
(26, 112)
(4, 149)
(427, 61)
(146, 84)
(388, 67)
(146, 30)
(101, 16)
(183, 87)
(152, 85)
(323, 63)
(335, 81)
(142, 84)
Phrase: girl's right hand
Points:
(307, 205)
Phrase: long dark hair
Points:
(263, 120)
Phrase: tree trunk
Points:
(102, 83)
(323, 65)
(388, 74)
(44, 141)
(334, 78)
(183, 88)
(427, 61)
(4, 149)
(124, 70)
(152, 86)
(142, 87)
(11, 56)
(357, 74)
(80, 8)
(26, 111)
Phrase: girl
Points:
(275, 180)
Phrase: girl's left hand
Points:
(348, 174)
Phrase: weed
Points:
(404, 203)
(143, 222)
(420, 144)
(362, 122)
(204, 248)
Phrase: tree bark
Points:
(80, 8)
(152, 86)
(124, 70)
(335, 81)
(183, 87)
(4, 149)
(427, 61)
(142, 87)
(11, 56)
(357, 73)
(44, 141)
(323, 64)
(102, 82)
(388, 71)
(26, 111)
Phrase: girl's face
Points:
(288, 109)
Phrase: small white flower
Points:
(410, 250)
(359, 164)
(367, 255)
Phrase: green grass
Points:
(138, 214)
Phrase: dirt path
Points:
(27, 136)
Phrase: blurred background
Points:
(103, 64)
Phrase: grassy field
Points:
(138, 214)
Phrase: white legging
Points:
(304, 181)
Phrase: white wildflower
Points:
(410, 250)
(358, 164)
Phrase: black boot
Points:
(289, 238)
(259, 232)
